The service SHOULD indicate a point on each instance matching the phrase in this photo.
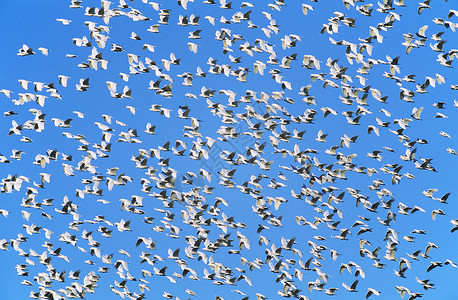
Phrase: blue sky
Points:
(34, 24)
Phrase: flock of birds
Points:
(263, 171)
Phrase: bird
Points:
(44, 51)
(193, 47)
(423, 5)
(351, 288)
(134, 36)
(25, 51)
(455, 225)
(64, 21)
(371, 291)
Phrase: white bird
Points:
(210, 19)
(192, 47)
(371, 291)
(79, 114)
(25, 51)
(134, 36)
(131, 109)
(123, 225)
(165, 112)
(351, 288)
(24, 83)
(44, 51)
(63, 79)
(149, 47)
(306, 8)
(6, 92)
(64, 21)
(416, 112)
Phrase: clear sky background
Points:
(34, 24)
